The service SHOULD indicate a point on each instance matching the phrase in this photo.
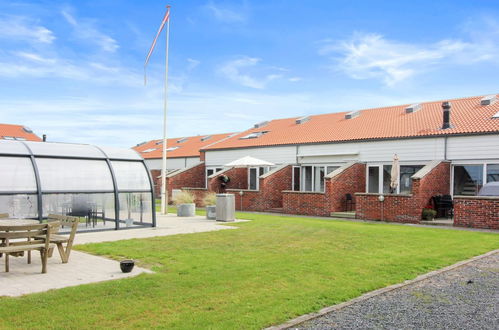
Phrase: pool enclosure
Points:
(108, 188)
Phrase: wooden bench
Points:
(25, 239)
(60, 240)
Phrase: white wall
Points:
(473, 147)
(417, 150)
(276, 155)
(172, 163)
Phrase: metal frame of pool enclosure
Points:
(110, 184)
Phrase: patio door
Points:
(253, 178)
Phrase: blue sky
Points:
(74, 69)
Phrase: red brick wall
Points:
(238, 180)
(251, 199)
(157, 182)
(405, 208)
(307, 203)
(193, 177)
(350, 181)
(272, 187)
(396, 208)
(269, 194)
(476, 212)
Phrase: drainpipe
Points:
(445, 148)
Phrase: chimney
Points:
(446, 109)
(44, 137)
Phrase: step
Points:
(343, 215)
(275, 210)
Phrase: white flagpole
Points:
(164, 191)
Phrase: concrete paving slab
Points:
(82, 268)
(166, 225)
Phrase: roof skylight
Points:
(204, 138)
(182, 140)
(253, 135)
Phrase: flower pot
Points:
(211, 212)
(127, 265)
(186, 210)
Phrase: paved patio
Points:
(84, 268)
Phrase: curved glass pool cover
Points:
(108, 188)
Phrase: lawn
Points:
(265, 272)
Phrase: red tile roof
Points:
(188, 148)
(467, 117)
(11, 132)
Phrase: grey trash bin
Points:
(226, 207)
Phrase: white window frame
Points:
(215, 170)
(381, 174)
(257, 185)
(471, 162)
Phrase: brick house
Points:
(17, 132)
(340, 161)
(181, 153)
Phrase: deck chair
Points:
(25, 240)
(60, 240)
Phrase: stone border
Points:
(307, 317)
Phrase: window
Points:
(253, 178)
(331, 169)
(210, 172)
(319, 178)
(296, 178)
(406, 172)
(387, 179)
(253, 135)
(492, 172)
(468, 179)
(306, 172)
(373, 179)
(254, 174)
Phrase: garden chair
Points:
(25, 239)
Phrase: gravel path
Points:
(463, 298)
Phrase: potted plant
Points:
(429, 214)
(184, 201)
(210, 202)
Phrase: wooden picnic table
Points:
(17, 222)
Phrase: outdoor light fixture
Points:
(381, 198)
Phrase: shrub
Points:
(184, 197)
(429, 214)
(210, 199)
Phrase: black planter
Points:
(127, 265)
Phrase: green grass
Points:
(265, 272)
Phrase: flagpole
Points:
(164, 194)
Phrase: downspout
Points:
(445, 147)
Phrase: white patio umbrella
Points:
(394, 174)
(248, 161)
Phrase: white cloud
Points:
(35, 57)
(192, 64)
(371, 55)
(233, 71)
(226, 15)
(23, 28)
(85, 29)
